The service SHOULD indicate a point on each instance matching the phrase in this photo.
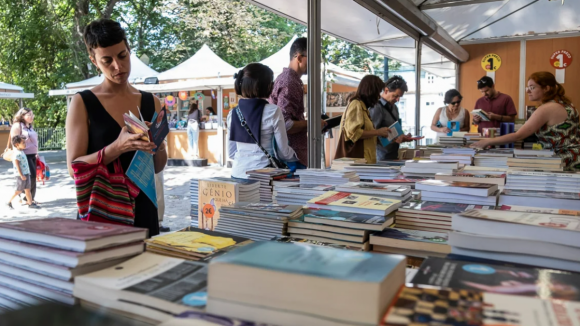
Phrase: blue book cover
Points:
(159, 127)
(395, 131)
(142, 172)
(314, 261)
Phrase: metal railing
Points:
(50, 138)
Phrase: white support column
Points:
(220, 130)
(522, 90)
(314, 84)
(419, 45)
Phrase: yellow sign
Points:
(212, 196)
(491, 62)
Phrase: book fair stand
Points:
(445, 235)
(11, 92)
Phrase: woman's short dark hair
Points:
(254, 81)
(210, 110)
(369, 90)
(103, 33)
(450, 94)
(396, 82)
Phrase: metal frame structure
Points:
(314, 84)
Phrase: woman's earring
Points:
(98, 71)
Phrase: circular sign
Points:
(199, 96)
(208, 210)
(170, 100)
(491, 62)
(561, 59)
(183, 95)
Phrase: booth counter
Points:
(209, 144)
(4, 135)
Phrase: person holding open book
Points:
(452, 111)
(555, 122)
(256, 128)
(358, 136)
(95, 123)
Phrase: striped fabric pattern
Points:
(103, 196)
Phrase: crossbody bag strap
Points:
(245, 125)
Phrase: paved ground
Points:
(57, 196)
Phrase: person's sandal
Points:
(33, 206)
(10, 205)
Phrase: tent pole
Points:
(419, 45)
(21, 103)
(220, 114)
(314, 84)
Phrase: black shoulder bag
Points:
(274, 162)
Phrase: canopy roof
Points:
(10, 87)
(9, 91)
(139, 71)
(203, 64)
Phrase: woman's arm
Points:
(466, 121)
(77, 138)
(354, 123)
(285, 152)
(15, 131)
(435, 120)
(160, 157)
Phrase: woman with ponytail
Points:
(264, 121)
(555, 122)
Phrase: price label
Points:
(561, 59)
(491, 62)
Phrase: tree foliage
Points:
(43, 49)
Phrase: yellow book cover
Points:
(345, 199)
(211, 197)
(193, 242)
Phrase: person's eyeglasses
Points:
(530, 88)
(455, 103)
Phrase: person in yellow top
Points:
(358, 137)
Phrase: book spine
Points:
(333, 198)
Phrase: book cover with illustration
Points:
(440, 306)
(395, 130)
(159, 127)
(413, 235)
(212, 196)
(539, 210)
(500, 279)
(142, 172)
(559, 222)
(542, 194)
(320, 215)
(437, 207)
(265, 208)
(68, 228)
(353, 186)
(136, 126)
(345, 199)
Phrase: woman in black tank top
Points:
(95, 117)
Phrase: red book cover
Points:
(71, 229)
(332, 199)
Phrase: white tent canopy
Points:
(9, 91)
(203, 64)
(139, 71)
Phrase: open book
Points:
(481, 114)
(136, 125)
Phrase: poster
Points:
(212, 196)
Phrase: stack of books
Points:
(484, 170)
(330, 177)
(347, 229)
(428, 169)
(410, 243)
(497, 179)
(266, 176)
(289, 239)
(460, 158)
(493, 158)
(194, 244)
(257, 221)
(354, 203)
(149, 287)
(291, 284)
(543, 240)
(402, 193)
(543, 161)
(341, 163)
(458, 139)
(193, 196)
(43, 258)
(458, 192)
(400, 181)
(299, 194)
(369, 172)
(543, 181)
(430, 216)
(541, 199)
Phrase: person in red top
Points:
(288, 95)
(498, 107)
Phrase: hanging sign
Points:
(199, 96)
(183, 95)
(561, 60)
(170, 100)
(491, 62)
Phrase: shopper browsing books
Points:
(95, 116)
(250, 141)
(23, 125)
(358, 136)
(193, 121)
(21, 171)
(385, 113)
(555, 122)
(451, 112)
(496, 107)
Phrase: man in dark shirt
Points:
(288, 95)
(498, 107)
(385, 113)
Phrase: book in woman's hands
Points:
(395, 130)
(136, 125)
